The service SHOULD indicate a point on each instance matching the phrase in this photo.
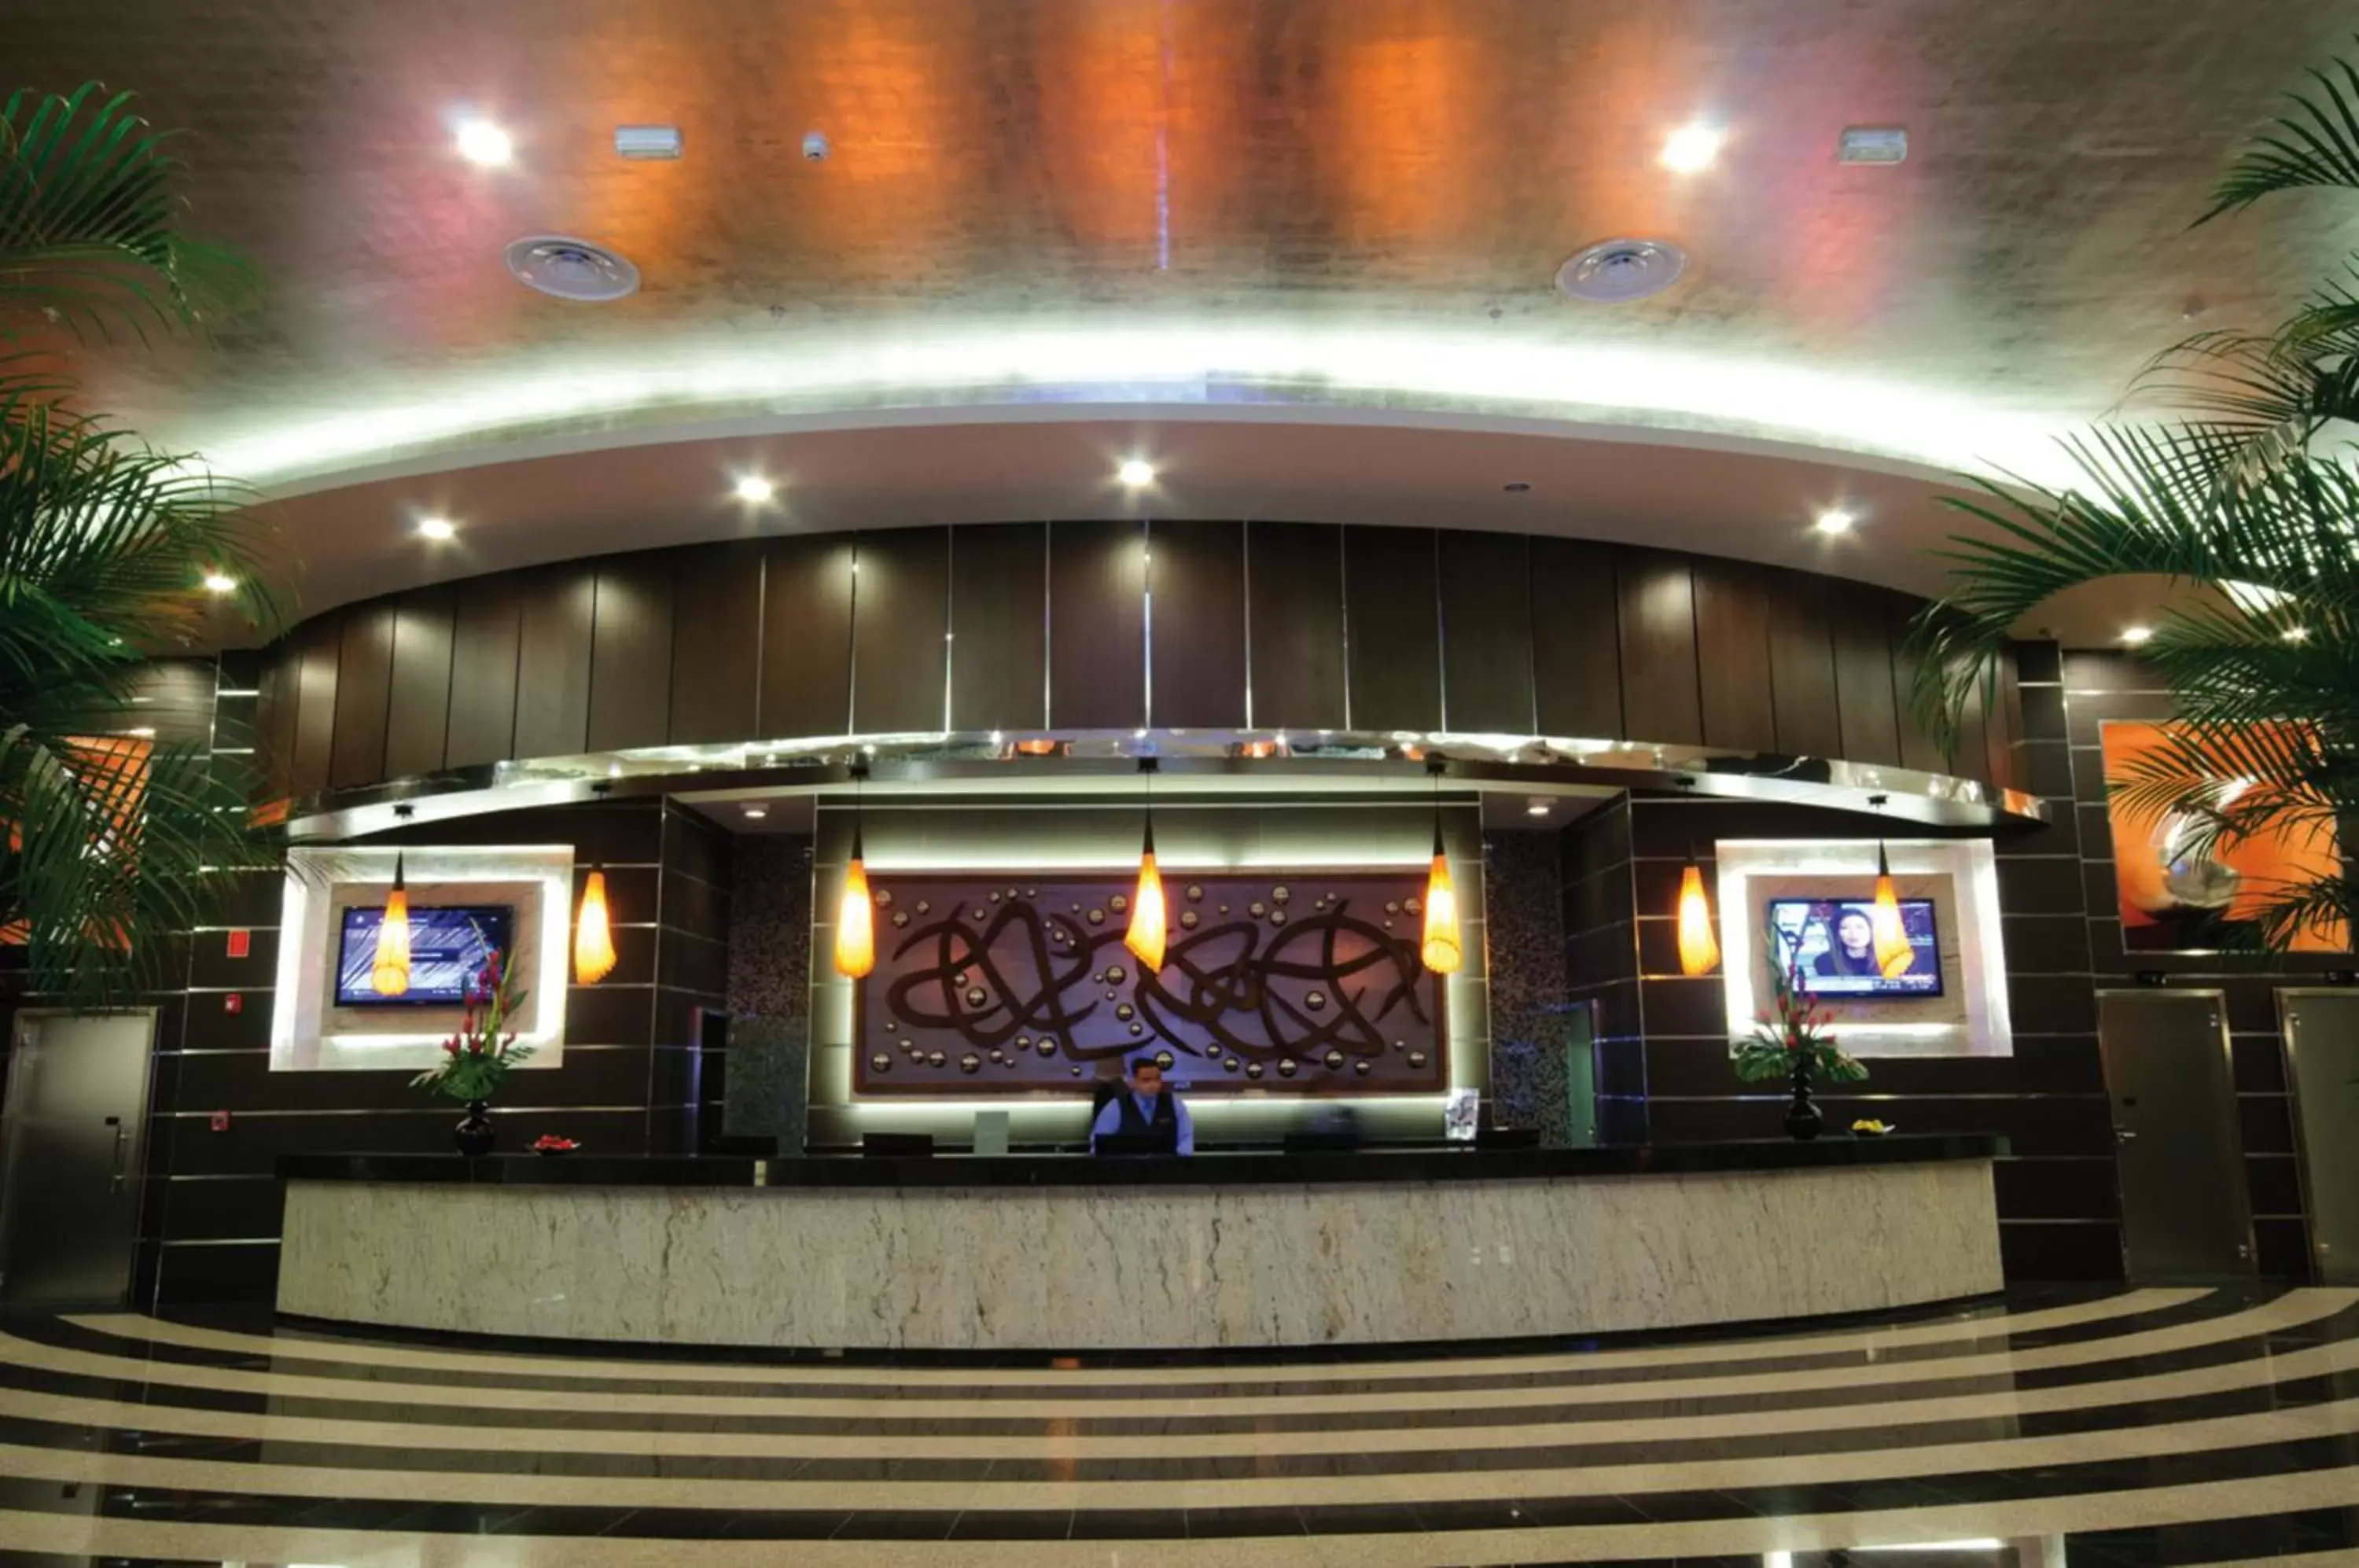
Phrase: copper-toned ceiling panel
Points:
(1349, 202)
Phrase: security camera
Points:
(815, 146)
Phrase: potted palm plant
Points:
(481, 1053)
(2242, 492)
(1789, 1040)
(110, 841)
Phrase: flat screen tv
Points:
(1835, 939)
(447, 942)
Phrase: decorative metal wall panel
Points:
(1272, 982)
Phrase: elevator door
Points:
(70, 1137)
(2186, 1213)
(2321, 1042)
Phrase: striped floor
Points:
(2147, 1426)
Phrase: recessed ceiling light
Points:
(1135, 474)
(757, 813)
(436, 528)
(646, 141)
(1873, 144)
(1518, 487)
(219, 582)
(1614, 272)
(2134, 636)
(1537, 809)
(1835, 520)
(753, 489)
(569, 268)
(481, 142)
(1693, 148)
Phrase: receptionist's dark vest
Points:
(1165, 1127)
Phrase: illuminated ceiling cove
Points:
(1352, 209)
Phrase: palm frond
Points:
(2315, 145)
(90, 232)
(116, 852)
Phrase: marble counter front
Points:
(1216, 1253)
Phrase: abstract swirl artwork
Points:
(1274, 983)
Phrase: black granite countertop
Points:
(1210, 1170)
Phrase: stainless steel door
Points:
(70, 1157)
(2186, 1213)
(2322, 1043)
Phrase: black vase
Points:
(475, 1133)
(1802, 1118)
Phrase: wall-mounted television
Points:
(447, 942)
(1835, 940)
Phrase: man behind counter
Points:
(1146, 1115)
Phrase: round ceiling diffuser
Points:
(570, 268)
(1614, 272)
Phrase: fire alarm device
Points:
(241, 943)
(232, 1002)
(221, 1121)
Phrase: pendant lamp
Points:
(1441, 949)
(1699, 948)
(1149, 914)
(593, 931)
(1894, 953)
(856, 913)
(389, 975)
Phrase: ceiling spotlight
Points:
(219, 582)
(1834, 521)
(436, 528)
(1135, 474)
(753, 489)
(1693, 148)
(2135, 635)
(1536, 808)
(756, 813)
(481, 142)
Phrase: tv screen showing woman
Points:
(1832, 943)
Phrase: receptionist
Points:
(1147, 1110)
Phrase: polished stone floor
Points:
(2151, 1426)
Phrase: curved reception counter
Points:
(1066, 1253)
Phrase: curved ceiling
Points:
(1204, 213)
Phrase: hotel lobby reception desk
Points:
(1066, 1253)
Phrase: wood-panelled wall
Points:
(1105, 626)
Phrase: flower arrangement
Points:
(477, 1059)
(550, 1143)
(1790, 1038)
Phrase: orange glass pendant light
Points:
(1149, 914)
(1441, 949)
(1699, 948)
(593, 932)
(855, 912)
(389, 975)
(1893, 953)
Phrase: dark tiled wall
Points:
(2056, 1199)
(633, 1080)
(2089, 688)
(1601, 945)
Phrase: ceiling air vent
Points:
(1614, 272)
(570, 268)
